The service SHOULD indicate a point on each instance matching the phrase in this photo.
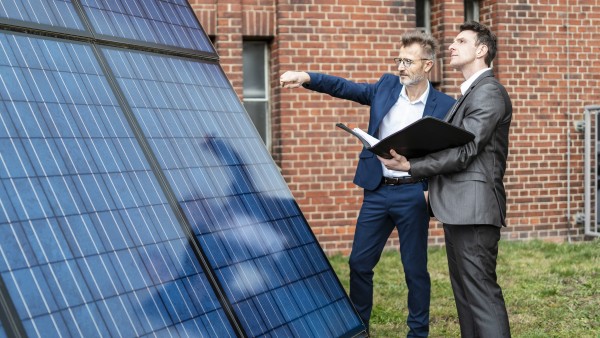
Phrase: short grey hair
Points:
(425, 40)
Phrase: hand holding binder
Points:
(420, 138)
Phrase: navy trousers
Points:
(402, 207)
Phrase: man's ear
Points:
(429, 66)
(481, 50)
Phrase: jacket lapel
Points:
(454, 108)
(389, 102)
(431, 102)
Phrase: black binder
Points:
(420, 138)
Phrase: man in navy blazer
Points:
(392, 199)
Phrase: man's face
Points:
(413, 66)
(463, 50)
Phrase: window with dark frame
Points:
(256, 86)
(471, 10)
(423, 15)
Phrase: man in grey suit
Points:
(466, 189)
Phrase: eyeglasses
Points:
(407, 62)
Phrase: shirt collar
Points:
(465, 85)
(422, 98)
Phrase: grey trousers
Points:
(472, 251)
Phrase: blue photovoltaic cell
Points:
(163, 22)
(56, 13)
(259, 245)
(89, 245)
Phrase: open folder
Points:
(420, 138)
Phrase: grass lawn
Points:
(551, 290)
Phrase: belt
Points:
(399, 180)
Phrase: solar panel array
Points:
(136, 197)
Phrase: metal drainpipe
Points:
(568, 113)
(587, 166)
(569, 225)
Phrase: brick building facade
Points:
(548, 60)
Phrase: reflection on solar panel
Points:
(136, 198)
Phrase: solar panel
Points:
(164, 22)
(136, 197)
(57, 14)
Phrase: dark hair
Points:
(426, 41)
(484, 36)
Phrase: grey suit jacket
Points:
(465, 185)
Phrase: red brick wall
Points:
(548, 60)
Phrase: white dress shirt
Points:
(402, 113)
(465, 85)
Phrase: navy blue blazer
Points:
(381, 96)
